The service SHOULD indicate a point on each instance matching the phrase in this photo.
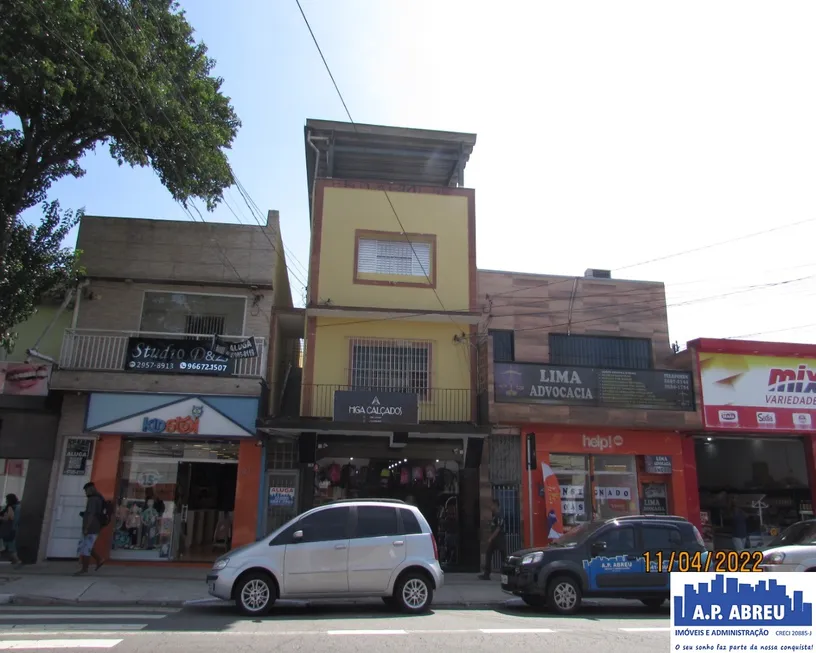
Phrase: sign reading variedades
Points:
(588, 386)
(375, 407)
(161, 356)
(758, 393)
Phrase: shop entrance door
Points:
(75, 472)
(206, 499)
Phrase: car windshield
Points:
(578, 535)
(803, 532)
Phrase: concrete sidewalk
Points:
(53, 583)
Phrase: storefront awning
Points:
(280, 426)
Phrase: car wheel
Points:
(534, 600)
(255, 594)
(413, 593)
(653, 604)
(564, 595)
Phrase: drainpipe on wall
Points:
(571, 302)
(310, 140)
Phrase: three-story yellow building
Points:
(389, 404)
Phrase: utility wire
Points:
(242, 191)
(762, 333)
(387, 197)
(718, 244)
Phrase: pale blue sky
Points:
(609, 134)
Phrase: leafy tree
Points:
(127, 73)
(37, 267)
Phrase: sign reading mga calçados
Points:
(742, 612)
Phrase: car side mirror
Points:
(297, 536)
(598, 547)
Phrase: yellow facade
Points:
(347, 210)
(450, 363)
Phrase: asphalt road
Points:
(350, 628)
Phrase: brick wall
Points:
(535, 305)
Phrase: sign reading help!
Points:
(742, 612)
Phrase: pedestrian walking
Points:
(9, 526)
(496, 540)
(94, 517)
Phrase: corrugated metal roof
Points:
(389, 154)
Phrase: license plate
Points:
(504, 579)
(211, 587)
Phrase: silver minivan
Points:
(354, 548)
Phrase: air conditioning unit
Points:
(592, 273)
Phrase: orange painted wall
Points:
(568, 440)
(105, 475)
(245, 518)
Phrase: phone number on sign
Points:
(204, 367)
(716, 561)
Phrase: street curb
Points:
(44, 601)
(40, 601)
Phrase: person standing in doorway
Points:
(91, 525)
(9, 525)
(496, 540)
(740, 526)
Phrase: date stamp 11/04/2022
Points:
(703, 561)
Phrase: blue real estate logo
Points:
(726, 602)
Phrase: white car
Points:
(794, 549)
(346, 549)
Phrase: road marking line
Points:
(35, 617)
(44, 628)
(36, 644)
(517, 631)
(366, 632)
(85, 608)
(645, 630)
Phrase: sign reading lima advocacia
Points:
(589, 386)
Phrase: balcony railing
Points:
(435, 405)
(106, 351)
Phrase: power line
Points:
(661, 300)
(135, 27)
(387, 197)
(652, 308)
(762, 333)
(718, 244)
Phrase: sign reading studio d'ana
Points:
(177, 356)
(589, 386)
(375, 407)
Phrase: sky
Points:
(608, 135)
